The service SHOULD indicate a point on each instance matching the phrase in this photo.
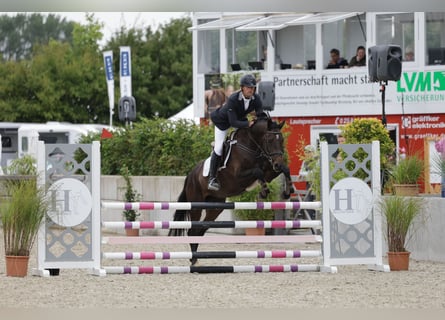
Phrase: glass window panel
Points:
(344, 35)
(295, 46)
(435, 38)
(208, 51)
(398, 29)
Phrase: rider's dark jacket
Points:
(233, 114)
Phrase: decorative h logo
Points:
(347, 200)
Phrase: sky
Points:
(114, 20)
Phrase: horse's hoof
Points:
(285, 195)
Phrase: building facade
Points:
(294, 49)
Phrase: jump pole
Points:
(280, 205)
(212, 269)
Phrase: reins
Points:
(260, 152)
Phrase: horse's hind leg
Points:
(195, 215)
(198, 232)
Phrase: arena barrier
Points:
(71, 236)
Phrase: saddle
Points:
(227, 150)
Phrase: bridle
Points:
(262, 151)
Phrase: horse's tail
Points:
(181, 215)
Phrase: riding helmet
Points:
(248, 80)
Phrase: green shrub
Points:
(366, 130)
(155, 147)
(21, 215)
(407, 171)
(252, 196)
(400, 213)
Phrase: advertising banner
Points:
(125, 72)
(108, 65)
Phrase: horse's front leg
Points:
(288, 185)
(258, 174)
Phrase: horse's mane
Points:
(264, 122)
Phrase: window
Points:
(435, 38)
(208, 51)
(24, 144)
(344, 35)
(209, 42)
(242, 48)
(6, 142)
(397, 29)
(296, 46)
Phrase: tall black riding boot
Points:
(213, 181)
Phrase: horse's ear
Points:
(281, 124)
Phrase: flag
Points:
(108, 63)
(106, 134)
(125, 72)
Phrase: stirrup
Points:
(213, 185)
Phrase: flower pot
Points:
(132, 232)
(255, 231)
(398, 260)
(17, 266)
(408, 190)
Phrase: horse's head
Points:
(269, 138)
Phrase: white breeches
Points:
(220, 136)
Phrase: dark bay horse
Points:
(257, 155)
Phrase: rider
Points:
(232, 114)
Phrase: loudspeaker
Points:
(266, 90)
(372, 63)
(389, 65)
(384, 63)
(127, 109)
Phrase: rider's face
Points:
(248, 92)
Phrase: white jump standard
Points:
(350, 227)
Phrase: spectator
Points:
(307, 165)
(359, 60)
(214, 97)
(339, 153)
(336, 61)
(409, 54)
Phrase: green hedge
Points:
(155, 147)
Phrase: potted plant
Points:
(130, 195)
(22, 212)
(251, 214)
(404, 175)
(400, 212)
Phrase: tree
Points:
(62, 82)
(161, 67)
(65, 80)
(19, 34)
